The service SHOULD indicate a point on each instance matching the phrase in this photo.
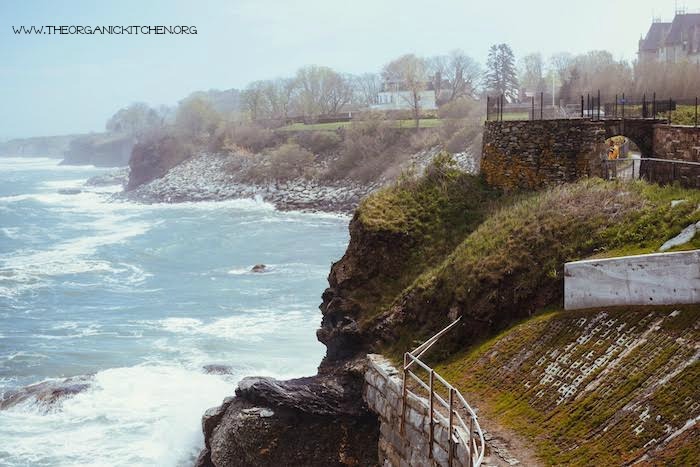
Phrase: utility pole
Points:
(553, 89)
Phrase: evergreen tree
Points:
(501, 74)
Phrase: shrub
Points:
(290, 161)
(318, 142)
(463, 107)
(283, 163)
(369, 147)
(250, 137)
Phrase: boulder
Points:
(259, 268)
(70, 191)
(46, 393)
(684, 237)
(315, 421)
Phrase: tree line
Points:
(322, 91)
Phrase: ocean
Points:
(142, 298)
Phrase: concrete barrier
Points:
(655, 279)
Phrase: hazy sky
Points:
(54, 84)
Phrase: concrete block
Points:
(655, 279)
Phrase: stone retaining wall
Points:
(382, 394)
(675, 142)
(655, 279)
(535, 154)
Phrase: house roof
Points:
(682, 28)
(655, 37)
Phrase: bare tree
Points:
(437, 69)
(462, 74)
(338, 93)
(322, 90)
(255, 101)
(410, 75)
(561, 63)
(279, 94)
(366, 88)
(532, 72)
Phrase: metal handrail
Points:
(654, 159)
(458, 429)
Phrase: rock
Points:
(684, 237)
(316, 421)
(217, 369)
(676, 202)
(47, 393)
(116, 177)
(70, 191)
(207, 177)
(259, 268)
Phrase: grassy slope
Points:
(512, 264)
(613, 362)
(402, 230)
(503, 265)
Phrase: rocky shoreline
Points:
(208, 177)
(205, 178)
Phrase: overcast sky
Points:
(55, 84)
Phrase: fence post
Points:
(488, 104)
(615, 106)
(532, 115)
(471, 443)
(670, 103)
(430, 414)
(403, 394)
(541, 106)
(696, 111)
(581, 105)
(449, 430)
(588, 105)
(598, 104)
(653, 107)
(644, 106)
(623, 106)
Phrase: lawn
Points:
(424, 123)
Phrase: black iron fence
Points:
(593, 106)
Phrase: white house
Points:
(403, 100)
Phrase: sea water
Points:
(143, 297)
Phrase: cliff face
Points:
(40, 146)
(333, 425)
(153, 158)
(428, 250)
(101, 150)
(395, 235)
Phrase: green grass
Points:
(447, 246)
(503, 377)
(684, 115)
(424, 123)
(512, 263)
(516, 116)
(401, 230)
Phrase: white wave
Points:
(21, 164)
(252, 326)
(143, 415)
(238, 271)
(181, 324)
(65, 183)
(242, 204)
